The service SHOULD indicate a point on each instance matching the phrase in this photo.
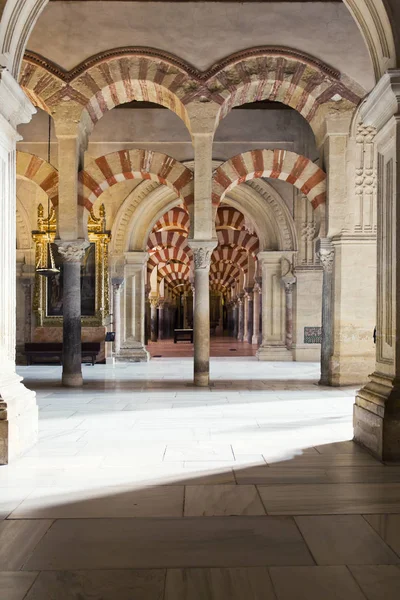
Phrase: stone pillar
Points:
(249, 314)
(72, 254)
(161, 332)
(18, 409)
(273, 345)
(153, 319)
(202, 258)
(255, 340)
(133, 306)
(326, 255)
(185, 310)
(377, 406)
(240, 302)
(235, 318)
(117, 284)
(27, 285)
(288, 282)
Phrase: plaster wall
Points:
(202, 34)
(161, 130)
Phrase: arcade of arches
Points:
(244, 193)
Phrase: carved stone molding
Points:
(72, 252)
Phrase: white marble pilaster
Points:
(18, 409)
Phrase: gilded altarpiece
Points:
(48, 292)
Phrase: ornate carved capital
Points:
(202, 252)
(326, 257)
(72, 252)
(117, 284)
(257, 288)
(154, 301)
(3, 410)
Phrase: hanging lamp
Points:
(48, 270)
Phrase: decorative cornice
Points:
(383, 102)
(14, 105)
(200, 76)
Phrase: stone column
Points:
(18, 409)
(326, 255)
(185, 310)
(72, 254)
(117, 284)
(273, 345)
(249, 314)
(202, 258)
(240, 335)
(288, 282)
(255, 340)
(27, 285)
(153, 319)
(377, 406)
(133, 305)
(235, 318)
(161, 333)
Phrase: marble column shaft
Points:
(255, 340)
(240, 335)
(72, 254)
(161, 320)
(326, 255)
(202, 258)
(153, 319)
(117, 287)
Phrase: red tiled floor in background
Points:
(220, 346)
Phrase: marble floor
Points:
(143, 487)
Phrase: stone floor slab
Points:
(327, 499)
(104, 585)
(222, 500)
(119, 501)
(388, 527)
(380, 582)
(157, 543)
(14, 585)
(344, 540)
(315, 583)
(219, 584)
(17, 541)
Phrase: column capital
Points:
(117, 283)
(202, 251)
(154, 301)
(72, 251)
(326, 254)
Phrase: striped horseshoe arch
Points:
(41, 172)
(115, 167)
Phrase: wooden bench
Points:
(54, 350)
(183, 335)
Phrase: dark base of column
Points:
(201, 374)
(72, 379)
(376, 418)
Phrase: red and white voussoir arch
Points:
(108, 170)
(274, 164)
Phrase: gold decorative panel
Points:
(47, 300)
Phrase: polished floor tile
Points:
(104, 585)
(222, 500)
(157, 543)
(14, 585)
(264, 474)
(388, 527)
(17, 541)
(325, 499)
(379, 582)
(315, 583)
(344, 540)
(219, 584)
